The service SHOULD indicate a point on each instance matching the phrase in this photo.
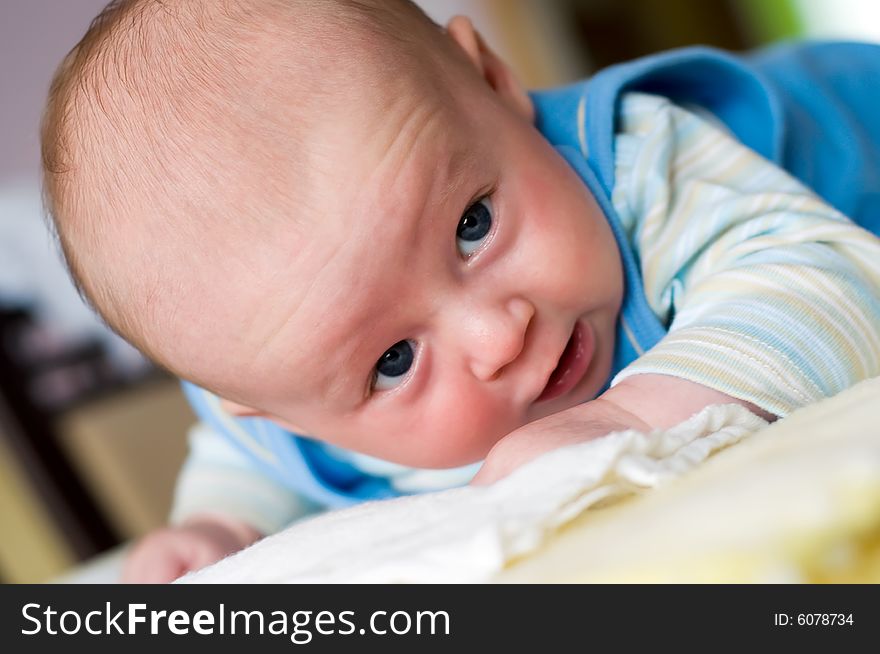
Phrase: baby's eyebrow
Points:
(345, 384)
(338, 384)
(459, 163)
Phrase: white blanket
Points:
(469, 534)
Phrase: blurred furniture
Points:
(128, 447)
(549, 43)
(87, 459)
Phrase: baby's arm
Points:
(642, 402)
(771, 295)
(222, 504)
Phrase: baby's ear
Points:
(490, 66)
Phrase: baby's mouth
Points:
(572, 365)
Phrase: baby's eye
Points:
(474, 226)
(393, 365)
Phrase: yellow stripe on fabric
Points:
(794, 292)
(582, 126)
(631, 337)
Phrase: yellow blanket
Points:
(798, 501)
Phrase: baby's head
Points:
(336, 215)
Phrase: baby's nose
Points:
(499, 337)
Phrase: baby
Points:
(371, 253)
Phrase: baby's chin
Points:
(590, 389)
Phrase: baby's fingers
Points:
(154, 560)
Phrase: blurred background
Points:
(91, 435)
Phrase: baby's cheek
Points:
(466, 430)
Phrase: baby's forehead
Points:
(325, 290)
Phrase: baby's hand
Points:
(660, 401)
(576, 425)
(166, 554)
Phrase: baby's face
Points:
(457, 282)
